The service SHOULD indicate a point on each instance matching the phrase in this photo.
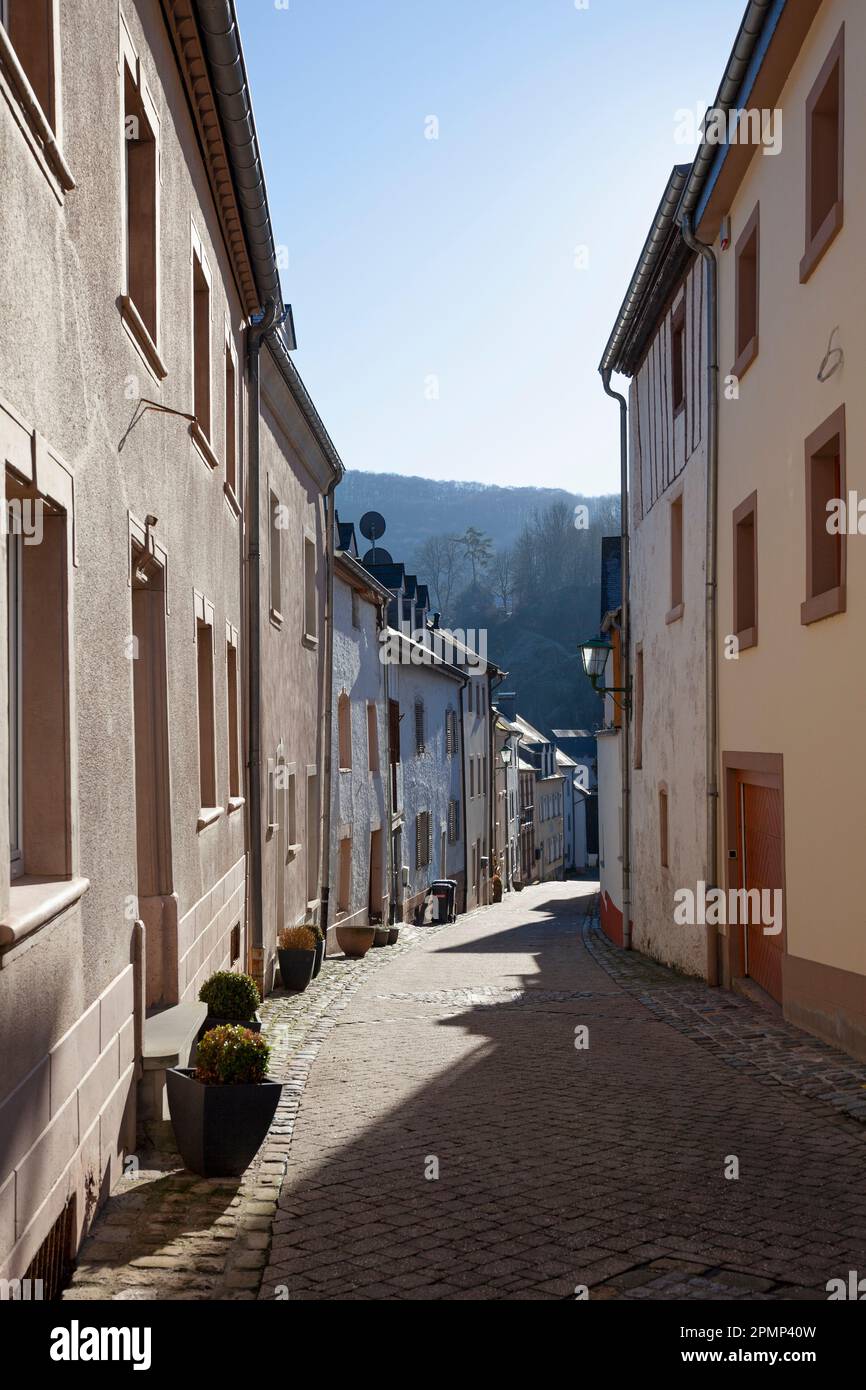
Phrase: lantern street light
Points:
(594, 654)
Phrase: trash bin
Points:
(444, 890)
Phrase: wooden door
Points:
(760, 835)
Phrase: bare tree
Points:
(441, 562)
(503, 580)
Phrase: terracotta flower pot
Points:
(355, 942)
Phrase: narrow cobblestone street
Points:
(442, 1137)
(557, 1167)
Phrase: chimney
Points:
(506, 702)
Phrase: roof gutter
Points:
(710, 157)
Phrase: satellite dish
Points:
(372, 525)
(378, 556)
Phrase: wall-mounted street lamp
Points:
(506, 756)
(594, 654)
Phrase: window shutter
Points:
(394, 730)
(429, 859)
(418, 840)
(419, 726)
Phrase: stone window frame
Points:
(205, 619)
(41, 130)
(833, 600)
(818, 240)
(232, 486)
(146, 343)
(677, 554)
(746, 514)
(201, 432)
(310, 580)
(236, 798)
(35, 470)
(747, 316)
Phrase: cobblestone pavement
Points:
(167, 1234)
(558, 1167)
(562, 1168)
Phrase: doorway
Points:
(156, 905)
(756, 857)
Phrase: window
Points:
(826, 524)
(373, 737)
(678, 358)
(344, 890)
(472, 776)
(663, 826)
(139, 302)
(449, 733)
(638, 707)
(747, 297)
(453, 822)
(276, 564)
(141, 203)
(30, 26)
(201, 342)
(676, 518)
(746, 572)
(469, 690)
(206, 750)
(311, 598)
(423, 840)
(231, 423)
(825, 158)
(344, 729)
(312, 835)
(420, 747)
(233, 723)
(291, 808)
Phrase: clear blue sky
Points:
(411, 258)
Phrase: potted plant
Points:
(222, 1108)
(320, 945)
(496, 888)
(355, 942)
(393, 933)
(230, 998)
(296, 949)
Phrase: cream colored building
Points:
(787, 231)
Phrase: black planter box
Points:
(296, 968)
(219, 1129)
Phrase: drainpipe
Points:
(711, 655)
(259, 328)
(325, 893)
(626, 659)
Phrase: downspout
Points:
(325, 893)
(626, 658)
(259, 328)
(711, 654)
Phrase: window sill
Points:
(747, 638)
(309, 641)
(208, 815)
(35, 900)
(745, 359)
(235, 803)
(201, 442)
(34, 123)
(345, 769)
(275, 617)
(231, 498)
(678, 409)
(292, 851)
(824, 605)
(674, 614)
(822, 241)
(140, 335)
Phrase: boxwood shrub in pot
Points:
(222, 1108)
(296, 951)
(230, 998)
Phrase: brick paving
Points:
(558, 1168)
(561, 1169)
